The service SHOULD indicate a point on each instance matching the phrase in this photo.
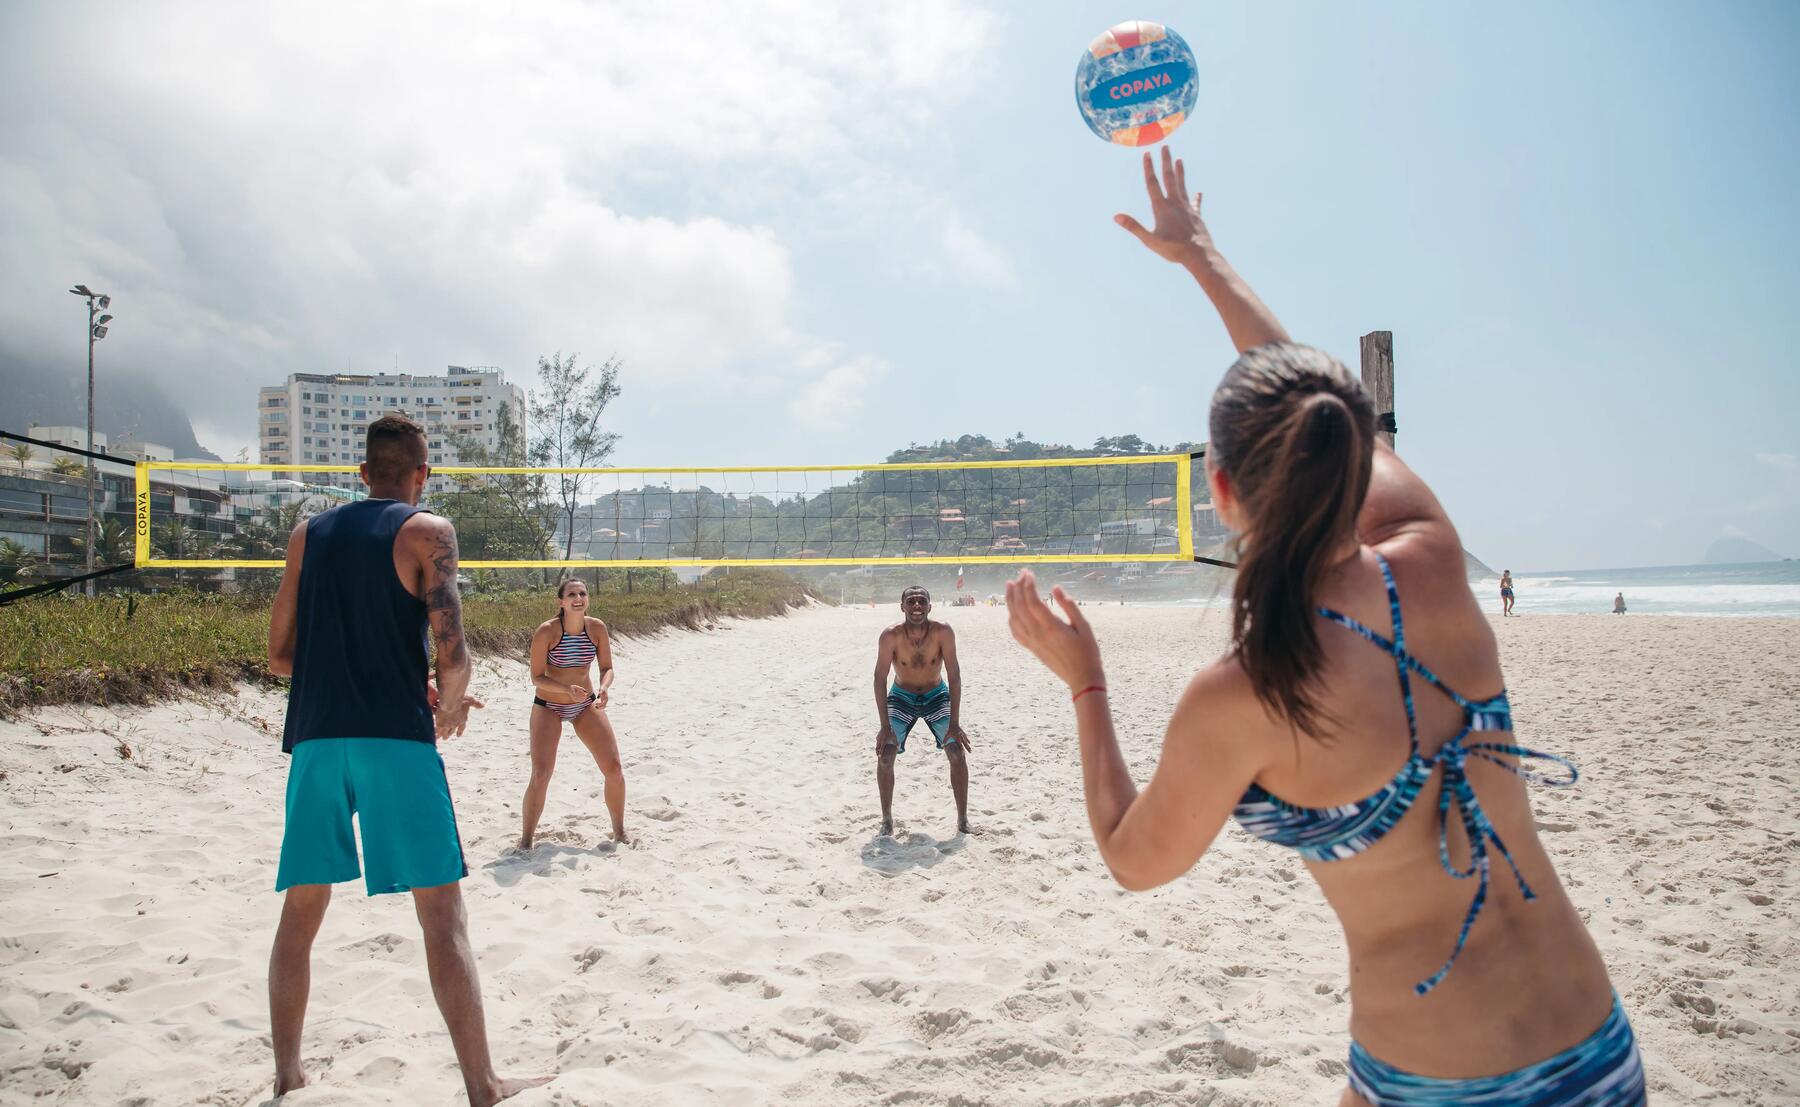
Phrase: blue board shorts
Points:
(401, 799)
(906, 708)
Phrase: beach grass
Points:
(136, 649)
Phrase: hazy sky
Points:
(815, 232)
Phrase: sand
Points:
(760, 945)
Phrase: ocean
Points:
(1772, 588)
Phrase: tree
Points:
(114, 546)
(175, 540)
(568, 434)
(266, 539)
(499, 516)
(15, 562)
(67, 466)
(21, 452)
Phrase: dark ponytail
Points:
(1294, 434)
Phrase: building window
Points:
(28, 502)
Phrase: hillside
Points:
(1738, 551)
(127, 404)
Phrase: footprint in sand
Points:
(380, 943)
(932, 1025)
(382, 1070)
(755, 983)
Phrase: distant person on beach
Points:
(1351, 575)
(1619, 604)
(563, 651)
(1506, 592)
(927, 685)
(362, 583)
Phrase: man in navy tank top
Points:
(365, 583)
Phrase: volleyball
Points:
(1136, 83)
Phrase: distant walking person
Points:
(563, 651)
(362, 583)
(1506, 593)
(1619, 604)
(922, 653)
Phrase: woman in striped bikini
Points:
(563, 651)
(1339, 729)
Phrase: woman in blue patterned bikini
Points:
(1337, 725)
(563, 650)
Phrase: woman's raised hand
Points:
(1067, 649)
(1177, 232)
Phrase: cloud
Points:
(974, 258)
(338, 186)
(831, 400)
(1787, 465)
(1778, 491)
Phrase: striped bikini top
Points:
(573, 651)
(1334, 833)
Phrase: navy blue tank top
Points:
(359, 654)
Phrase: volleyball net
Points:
(194, 515)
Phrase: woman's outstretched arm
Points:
(1178, 234)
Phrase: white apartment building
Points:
(324, 417)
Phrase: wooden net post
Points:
(1378, 379)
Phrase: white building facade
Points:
(323, 418)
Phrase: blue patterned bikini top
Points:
(1334, 833)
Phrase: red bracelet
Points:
(1090, 688)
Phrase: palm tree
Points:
(173, 541)
(15, 562)
(66, 466)
(266, 539)
(21, 453)
(114, 546)
(179, 540)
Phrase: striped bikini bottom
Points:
(1602, 1071)
(567, 712)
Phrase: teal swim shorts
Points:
(401, 799)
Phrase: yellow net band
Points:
(502, 470)
(1089, 510)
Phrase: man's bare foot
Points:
(504, 1089)
(524, 845)
(619, 836)
(887, 827)
(962, 825)
(285, 1083)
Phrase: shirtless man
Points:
(923, 653)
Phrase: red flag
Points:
(959, 578)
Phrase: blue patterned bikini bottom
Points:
(1602, 1071)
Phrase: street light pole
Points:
(96, 330)
(90, 446)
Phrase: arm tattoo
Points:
(443, 602)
